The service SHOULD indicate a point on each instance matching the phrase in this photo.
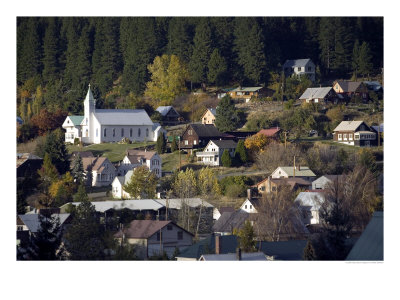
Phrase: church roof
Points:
(76, 120)
(122, 117)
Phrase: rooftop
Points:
(296, 62)
(122, 117)
(315, 93)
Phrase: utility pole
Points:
(179, 147)
(294, 166)
(285, 137)
(379, 135)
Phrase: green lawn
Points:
(170, 161)
(113, 151)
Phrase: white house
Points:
(98, 170)
(299, 67)
(212, 153)
(309, 204)
(110, 125)
(297, 171)
(136, 158)
(118, 185)
(248, 206)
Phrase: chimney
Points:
(249, 194)
(238, 254)
(217, 244)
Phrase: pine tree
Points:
(45, 244)
(240, 152)
(356, 58)
(51, 67)
(217, 68)
(246, 236)
(365, 59)
(202, 49)
(249, 48)
(161, 145)
(326, 41)
(174, 144)
(81, 195)
(226, 159)
(77, 169)
(179, 39)
(55, 148)
(227, 118)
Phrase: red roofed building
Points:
(152, 237)
(271, 132)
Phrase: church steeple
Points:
(89, 105)
(89, 95)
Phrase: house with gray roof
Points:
(109, 125)
(299, 67)
(239, 255)
(293, 171)
(99, 171)
(355, 133)
(212, 153)
(309, 204)
(169, 115)
(323, 181)
(135, 158)
(348, 89)
(209, 116)
(319, 95)
(246, 93)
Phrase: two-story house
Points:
(299, 67)
(209, 116)
(212, 153)
(135, 158)
(99, 171)
(198, 135)
(349, 89)
(151, 237)
(169, 115)
(355, 133)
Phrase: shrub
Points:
(226, 159)
(76, 141)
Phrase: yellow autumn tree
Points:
(256, 143)
(168, 75)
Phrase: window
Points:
(195, 142)
(274, 188)
(299, 69)
(169, 227)
(309, 69)
(356, 137)
(186, 142)
(339, 137)
(205, 119)
(87, 133)
(251, 206)
(105, 132)
(180, 235)
(350, 136)
(147, 132)
(345, 136)
(20, 228)
(262, 188)
(245, 207)
(190, 132)
(113, 132)
(138, 132)
(68, 122)
(122, 132)
(130, 132)
(247, 93)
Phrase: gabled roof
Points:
(225, 209)
(315, 93)
(206, 130)
(122, 117)
(247, 89)
(225, 144)
(32, 220)
(311, 199)
(23, 157)
(213, 111)
(137, 154)
(348, 125)
(94, 162)
(373, 85)
(142, 204)
(76, 120)
(296, 62)
(230, 220)
(378, 128)
(270, 131)
(164, 110)
(303, 172)
(370, 244)
(349, 86)
(291, 181)
(177, 203)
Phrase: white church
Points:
(110, 125)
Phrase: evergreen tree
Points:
(228, 117)
(202, 49)
(51, 67)
(365, 59)
(45, 243)
(77, 169)
(216, 68)
(84, 68)
(55, 148)
(85, 236)
(226, 159)
(249, 48)
(326, 42)
(246, 236)
(161, 145)
(179, 39)
(174, 144)
(240, 152)
(81, 195)
(355, 60)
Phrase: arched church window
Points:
(105, 132)
(113, 132)
(130, 132)
(122, 132)
(138, 132)
(147, 132)
(87, 133)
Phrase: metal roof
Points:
(247, 89)
(348, 125)
(76, 120)
(142, 204)
(296, 62)
(370, 244)
(163, 110)
(225, 144)
(213, 111)
(255, 256)
(311, 199)
(316, 93)
(122, 117)
(32, 220)
(304, 171)
(177, 203)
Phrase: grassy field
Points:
(170, 161)
(113, 151)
